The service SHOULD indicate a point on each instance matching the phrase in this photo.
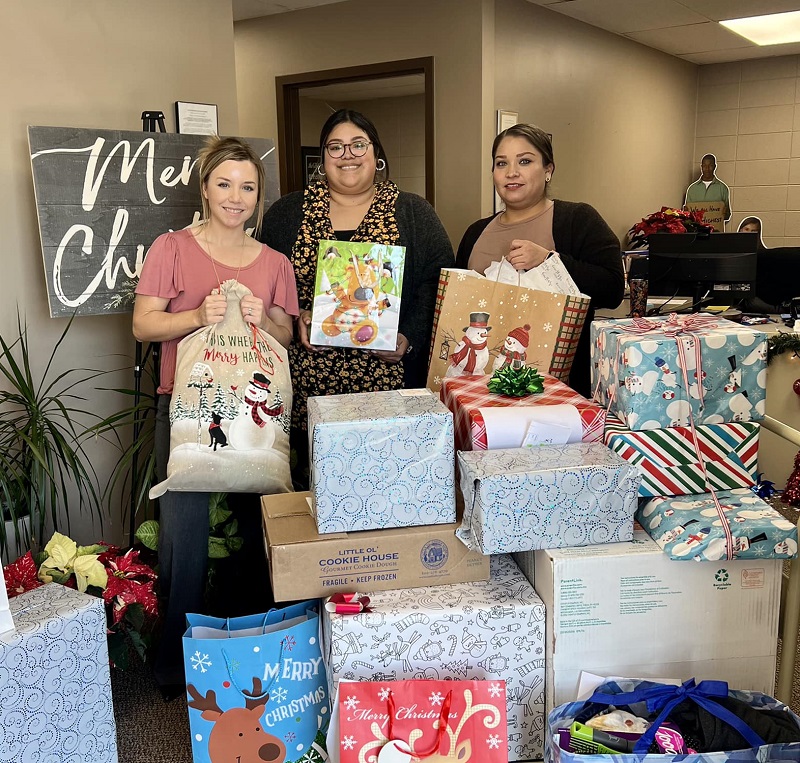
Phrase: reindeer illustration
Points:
(355, 301)
(237, 734)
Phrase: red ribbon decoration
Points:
(444, 717)
(348, 604)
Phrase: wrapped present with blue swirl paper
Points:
(55, 684)
(708, 723)
(736, 525)
(551, 496)
(381, 459)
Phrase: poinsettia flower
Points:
(65, 558)
(121, 592)
(20, 576)
(128, 566)
(89, 571)
(60, 551)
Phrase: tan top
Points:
(495, 241)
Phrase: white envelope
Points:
(6, 621)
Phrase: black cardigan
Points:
(428, 250)
(591, 254)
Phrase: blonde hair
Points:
(218, 150)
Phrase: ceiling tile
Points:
(719, 10)
(695, 38)
(622, 16)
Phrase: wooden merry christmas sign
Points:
(102, 197)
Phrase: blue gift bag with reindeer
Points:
(256, 687)
(230, 410)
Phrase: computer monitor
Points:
(710, 268)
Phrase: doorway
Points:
(411, 78)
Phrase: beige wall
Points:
(749, 118)
(622, 115)
(362, 32)
(95, 63)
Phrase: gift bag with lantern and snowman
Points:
(230, 411)
(481, 325)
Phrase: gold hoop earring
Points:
(547, 178)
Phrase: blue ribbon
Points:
(662, 699)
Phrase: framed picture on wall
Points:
(310, 160)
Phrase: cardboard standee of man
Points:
(471, 355)
(513, 353)
(710, 194)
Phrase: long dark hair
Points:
(359, 120)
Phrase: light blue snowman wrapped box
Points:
(690, 527)
(55, 684)
(552, 496)
(381, 459)
(639, 377)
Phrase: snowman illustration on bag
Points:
(471, 355)
(513, 353)
(230, 409)
(252, 429)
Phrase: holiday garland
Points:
(782, 342)
(516, 382)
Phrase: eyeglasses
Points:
(357, 148)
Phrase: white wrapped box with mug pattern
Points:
(55, 685)
(551, 496)
(492, 629)
(381, 459)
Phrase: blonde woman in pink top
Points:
(174, 297)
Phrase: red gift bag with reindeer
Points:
(422, 720)
(481, 325)
(256, 687)
(230, 412)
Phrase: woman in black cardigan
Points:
(353, 200)
(533, 226)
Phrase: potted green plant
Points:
(44, 469)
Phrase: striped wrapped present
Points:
(669, 463)
(481, 423)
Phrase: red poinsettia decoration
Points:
(668, 220)
(129, 582)
(21, 575)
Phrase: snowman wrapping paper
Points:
(487, 630)
(551, 496)
(381, 459)
(689, 527)
(230, 411)
(639, 376)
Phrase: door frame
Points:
(287, 91)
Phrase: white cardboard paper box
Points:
(482, 630)
(626, 609)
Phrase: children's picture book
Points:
(357, 295)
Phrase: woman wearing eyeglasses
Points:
(353, 200)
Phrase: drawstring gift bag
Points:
(231, 409)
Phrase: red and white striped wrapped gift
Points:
(465, 396)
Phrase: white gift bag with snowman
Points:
(231, 409)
